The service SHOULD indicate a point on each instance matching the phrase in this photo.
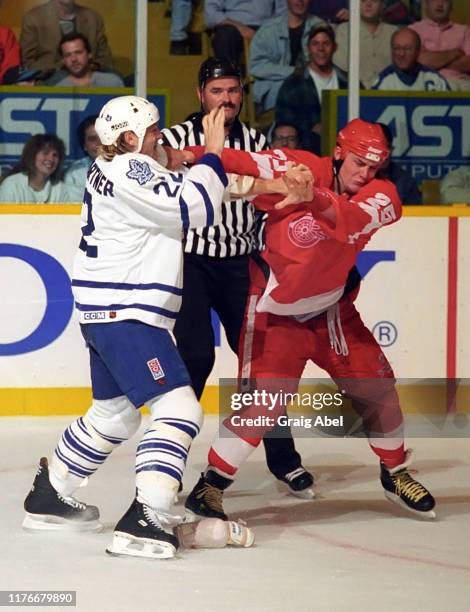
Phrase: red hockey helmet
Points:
(365, 139)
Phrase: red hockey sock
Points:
(390, 457)
(227, 454)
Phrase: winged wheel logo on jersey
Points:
(305, 232)
(139, 171)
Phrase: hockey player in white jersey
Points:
(127, 286)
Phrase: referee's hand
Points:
(214, 133)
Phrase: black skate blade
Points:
(428, 515)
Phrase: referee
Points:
(216, 258)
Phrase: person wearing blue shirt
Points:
(275, 49)
(235, 21)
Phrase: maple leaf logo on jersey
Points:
(305, 232)
(139, 171)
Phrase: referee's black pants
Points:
(221, 284)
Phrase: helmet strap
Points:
(337, 163)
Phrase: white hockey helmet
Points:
(126, 113)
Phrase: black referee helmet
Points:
(217, 68)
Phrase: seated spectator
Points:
(375, 35)
(333, 11)
(234, 21)
(405, 72)
(276, 48)
(75, 176)
(43, 27)
(336, 11)
(285, 136)
(37, 178)
(18, 75)
(183, 42)
(445, 45)
(455, 186)
(406, 185)
(299, 99)
(9, 51)
(78, 70)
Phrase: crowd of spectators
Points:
(292, 49)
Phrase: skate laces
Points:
(159, 519)
(212, 496)
(408, 486)
(72, 502)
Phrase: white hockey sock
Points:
(89, 440)
(163, 450)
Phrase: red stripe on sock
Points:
(391, 458)
(217, 462)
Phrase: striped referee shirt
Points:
(240, 231)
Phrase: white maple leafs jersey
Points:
(130, 257)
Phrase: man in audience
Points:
(285, 135)
(455, 186)
(9, 51)
(405, 72)
(235, 21)
(183, 42)
(275, 49)
(76, 175)
(300, 96)
(78, 68)
(445, 45)
(43, 27)
(375, 38)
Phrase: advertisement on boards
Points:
(403, 300)
(27, 111)
(431, 129)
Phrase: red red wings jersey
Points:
(309, 258)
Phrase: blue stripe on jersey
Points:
(126, 286)
(156, 309)
(207, 203)
(184, 212)
(214, 162)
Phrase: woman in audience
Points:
(37, 177)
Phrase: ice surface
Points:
(349, 549)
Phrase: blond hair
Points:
(109, 152)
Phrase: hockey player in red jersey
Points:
(301, 307)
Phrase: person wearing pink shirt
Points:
(445, 44)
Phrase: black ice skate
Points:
(47, 509)
(402, 489)
(205, 500)
(144, 532)
(300, 483)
